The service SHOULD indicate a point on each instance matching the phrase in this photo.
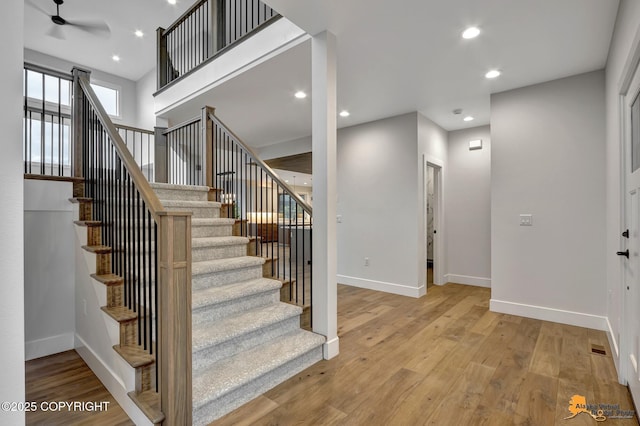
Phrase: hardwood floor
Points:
(444, 359)
(65, 377)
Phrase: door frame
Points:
(438, 219)
(631, 68)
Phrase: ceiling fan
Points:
(98, 28)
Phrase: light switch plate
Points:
(526, 220)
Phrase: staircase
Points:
(244, 339)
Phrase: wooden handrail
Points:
(134, 129)
(141, 183)
(181, 125)
(306, 207)
(173, 285)
(183, 17)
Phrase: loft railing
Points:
(47, 122)
(266, 209)
(205, 30)
(151, 248)
(141, 146)
(184, 153)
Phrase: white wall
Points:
(48, 278)
(547, 160)
(284, 149)
(625, 30)
(378, 200)
(468, 208)
(127, 87)
(11, 225)
(432, 147)
(145, 88)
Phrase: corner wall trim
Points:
(612, 339)
(578, 319)
(468, 280)
(48, 346)
(400, 289)
(331, 348)
(110, 381)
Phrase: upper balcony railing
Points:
(204, 31)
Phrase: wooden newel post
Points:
(174, 308)
(78, 119)
(160, 156)
(161, 59)
(208, 139)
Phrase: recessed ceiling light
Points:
(471, 32)
(300, 94)
(139, 33)
(305, 183)
(286, 181)
(171, 1)
(116, 58)
(344, 113)
(468, 118)
(492, 74)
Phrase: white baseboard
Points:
(331, 348)
(48, 346)
(112, 382)
(468, 280)
(613, 343)
(549, 314)
(401, 289)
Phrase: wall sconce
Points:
(475, 144)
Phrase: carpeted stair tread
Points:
(173, 187)
(231, 373)
(210, 333)
(217, 265)
(187, 204)
(222, 294)
(215, 221)
(217, 241)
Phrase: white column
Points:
(324, 135)
(12, 224)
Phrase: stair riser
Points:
(220, 310)
(205, 357)
(200, 254)
(230, 276)
(198, 212)
(181, 195)
(239, 396)
(211, 231)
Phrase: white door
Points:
(433, 219)
(630, 342)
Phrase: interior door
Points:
(630, 344)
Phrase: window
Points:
(109, 97)
(46, 125)
(55, 91)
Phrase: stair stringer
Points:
(97, 332)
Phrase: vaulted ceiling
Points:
(392, 57)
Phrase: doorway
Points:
(630, 290)
(433, 221)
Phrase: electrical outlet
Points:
(366, 261)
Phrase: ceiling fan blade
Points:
(37, 7)
(98, 28)
(56, 31)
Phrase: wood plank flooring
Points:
(65, 377)
(444, 359)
